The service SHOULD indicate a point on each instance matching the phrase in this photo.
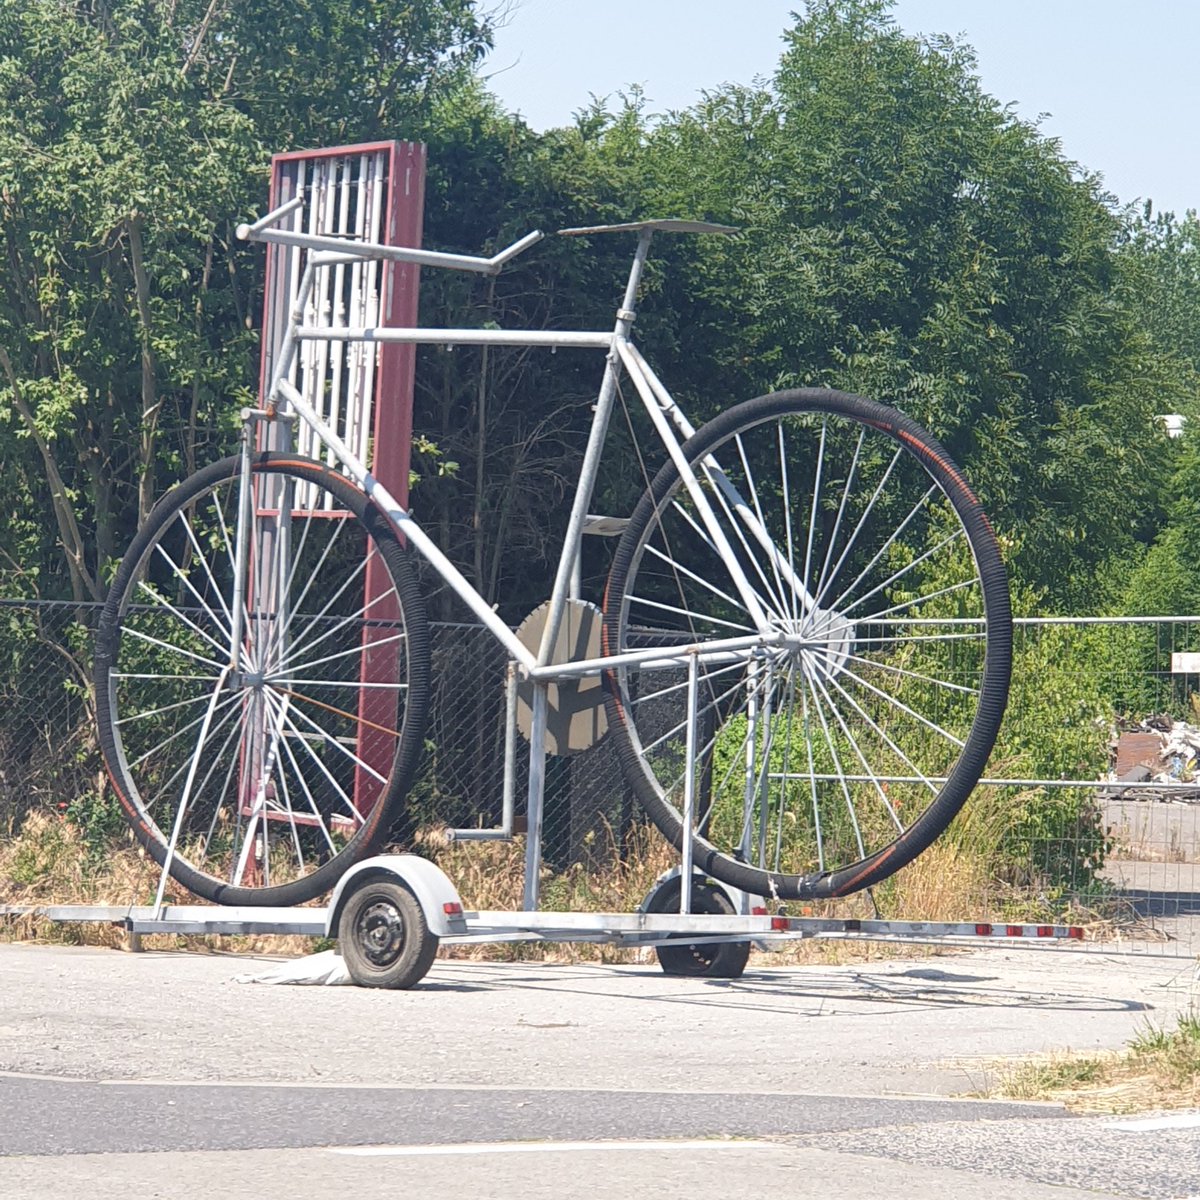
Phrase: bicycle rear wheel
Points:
(833, 751)
(273, 768)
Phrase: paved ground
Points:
(1155, 830)
(830, 1077)
(1156, 863)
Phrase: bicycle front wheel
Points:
(261, 709)
(843, 597)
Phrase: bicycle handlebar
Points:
(337, 249)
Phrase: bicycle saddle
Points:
(666, 225)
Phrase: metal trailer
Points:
(390, 914)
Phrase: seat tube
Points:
(591, 455)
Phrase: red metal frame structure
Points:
(387, 206)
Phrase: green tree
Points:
(134, 134)
(907, 236)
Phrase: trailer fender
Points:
(437, 896)
(731, 894)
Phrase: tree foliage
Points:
(903, 235)
(134, 134)
(910, 238)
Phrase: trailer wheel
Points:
(713, 960)
(384, 937)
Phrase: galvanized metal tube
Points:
(665, 399)
(510, 748)
(750, 789)
(245, 231)
(1094, 784)
(720, 480)
(534, 807)
(403, 521)
(1193, 620)
(504, 832)
(241, 538)
(687, 849)
(287, 348)
(591, 455)
(189, 782)
(582, 339)
(719, 650)
(424, 258)
(701, 501)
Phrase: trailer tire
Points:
(384, 937)
(711, 960)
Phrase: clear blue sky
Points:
(1120, 83)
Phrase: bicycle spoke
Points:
(841, 512)
(814, 510)
(185, 763)
(831, 678)
(859, 527)
(286, 673)
(886, 613)
(320, 765)
(153, 641)
(165, 708)
(752, 488)
(895, 670)
(862, 758)
(837, 765)
(904, 708)
(683, 612)
(181, 732)
(787, 519)
(161, 600)
(212, 582)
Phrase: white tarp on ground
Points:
(327, 969)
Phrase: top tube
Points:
(334, 249)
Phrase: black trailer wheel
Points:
(384, 937)
(714, 960)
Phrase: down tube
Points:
(406, 525)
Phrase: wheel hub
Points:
(247, 679)
(380, 933)
(825, 633)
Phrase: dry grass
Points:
(50, 862)
(1160, 1069)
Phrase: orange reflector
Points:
(983, 930)
(780, 923)
(452, 909)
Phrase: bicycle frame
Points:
(673, 429)
(671, 425)
(924, 713)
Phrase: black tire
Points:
(712, 960)
(384, 938)
(273, 817)
(937, 633)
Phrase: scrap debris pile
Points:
(1158, 750)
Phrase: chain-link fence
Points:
(1049, 835)
(48, 755)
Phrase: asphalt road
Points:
(155, 1075)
